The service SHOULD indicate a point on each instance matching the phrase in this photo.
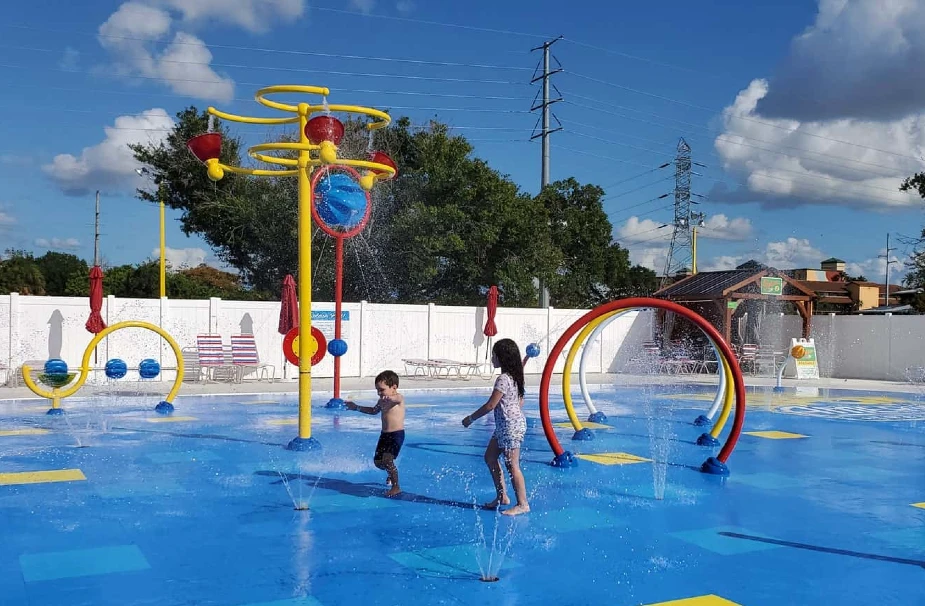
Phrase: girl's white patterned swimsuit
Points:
(510, 423)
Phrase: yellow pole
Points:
(305, 281)
(694, 253)
(163, 251)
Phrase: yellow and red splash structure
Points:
(734, 395)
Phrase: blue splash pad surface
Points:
(196, 510)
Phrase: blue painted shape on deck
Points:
(225, 532)
(710, 539)
(81, 563)
(187, 456)
(306, 601)
(456, 560)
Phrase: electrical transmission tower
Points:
(681, 250)
(545, 130)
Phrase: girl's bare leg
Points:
(491, 459)
(512, 461)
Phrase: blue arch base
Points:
(583, 435)
(707, 440)
(164, 408)
(55, 411)
(597, 417)
(702, 421)
(303, 444)
(336, 404)
(714, 466)
(566, 459)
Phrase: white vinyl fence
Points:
(380, 336)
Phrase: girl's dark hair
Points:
(509, 360)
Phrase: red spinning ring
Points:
(291, 346)
(321, 172)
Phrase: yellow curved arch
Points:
(56, 394)
(570, 359)
(728, 396)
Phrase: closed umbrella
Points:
(491, 329)
(95, 322)
(288, 310)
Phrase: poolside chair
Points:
(245, 359)
(212, 363)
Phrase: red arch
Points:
(642, 302)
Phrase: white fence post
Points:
(431, 329)
(362, 325)
(14, 330)
(214, 304)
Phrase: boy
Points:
(392, 406)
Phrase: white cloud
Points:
(785, 162)
(69, 59)
(875, 269)
(860, 59)
(58, 243)
(182, 258)
(6, 220)
(364, 6)
(129, 35)
(109, 165)
(635, 231)
(404, 6)
(252, 15)
(842, 121)
(792, 253)
(721, 227)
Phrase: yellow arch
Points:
(728, 396)
(56, 394)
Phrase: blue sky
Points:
(799, 111)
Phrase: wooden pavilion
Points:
(716, 295)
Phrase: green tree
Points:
(20, 273)
(594, 269)
(58, 268)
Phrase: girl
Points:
(507, 400)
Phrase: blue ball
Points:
(148, 368)
(533, 350)
(340, 201)
(116, 368)
(337, 347)
(56, 366)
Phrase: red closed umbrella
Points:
(95, 322)
(491, 329)
(288, 309)
(289, 306)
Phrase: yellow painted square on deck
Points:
(41, 477)
(703, 600)
(29, 431)
(169, 419)
(586, 424)
(919, 505)
(613, 458)
(775, 435)
(283, 422)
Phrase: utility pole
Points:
(546, 130)
(96, 232)
(886, 290)
(681, 251)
